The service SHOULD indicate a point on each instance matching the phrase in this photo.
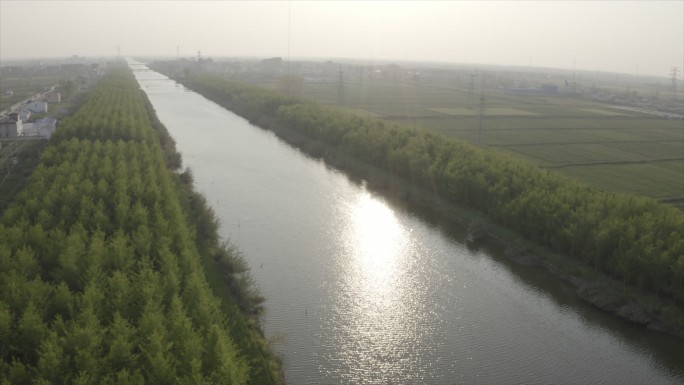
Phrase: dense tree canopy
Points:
(100, 277)
(632, 238)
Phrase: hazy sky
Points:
(618, 36)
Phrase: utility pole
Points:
(673, 78)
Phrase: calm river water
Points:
(362, 290)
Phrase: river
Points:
(364, 290)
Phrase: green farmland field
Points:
(612, 149)
(661, 180)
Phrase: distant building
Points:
(38, 106)
(11, 126)
(273, 62)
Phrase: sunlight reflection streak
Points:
(380, 310)
(379, 239)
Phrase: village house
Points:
(38, 106)
(11, 126)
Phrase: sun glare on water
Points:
(378, 236)
(378, 320)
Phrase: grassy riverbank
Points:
(226, 271)
(230, 279)
(623, 252)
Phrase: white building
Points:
(11, 127)
(38, 106)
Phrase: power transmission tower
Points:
(340, 86)
(673, 78)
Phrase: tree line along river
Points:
(365, 289)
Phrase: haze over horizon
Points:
(644, 37)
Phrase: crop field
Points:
(612, 149)
(662, 180)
